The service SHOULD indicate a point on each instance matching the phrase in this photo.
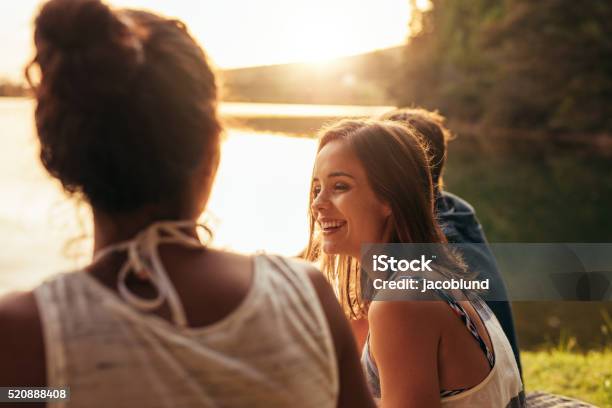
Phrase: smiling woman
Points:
(360, 194)
(372, 184)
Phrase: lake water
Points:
(259, 201)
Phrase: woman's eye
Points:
(341, 186)
(316, 190)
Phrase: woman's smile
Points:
(345, 208)
(331, 226)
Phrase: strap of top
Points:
(465, 317)
(143, 260)
(469, 323)
(372, 371)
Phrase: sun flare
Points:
(237, 34)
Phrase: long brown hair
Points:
(397, 167)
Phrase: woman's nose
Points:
(320, 202)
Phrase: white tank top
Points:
(501, 388)
(274, 350)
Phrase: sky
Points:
(238, 33)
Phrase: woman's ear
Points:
(389, 224)
(386, 209)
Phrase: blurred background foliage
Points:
(518, 64)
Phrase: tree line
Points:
(517, 64)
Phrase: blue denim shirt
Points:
(458, 221)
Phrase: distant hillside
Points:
(358, 79)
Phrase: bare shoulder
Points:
(21, 343)
(417, 318)
(429, 313)
(317, 279)
(17, 310)
(404, 338)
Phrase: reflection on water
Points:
(238, 109)
(259, 201)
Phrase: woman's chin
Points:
(330, 248)
(334, 248)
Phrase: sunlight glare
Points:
(237, 34)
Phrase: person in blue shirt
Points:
(457, 217)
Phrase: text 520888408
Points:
(34, 394)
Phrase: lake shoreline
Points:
(291, 119)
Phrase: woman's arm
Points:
(404, 339)
(22, 353)
(354, 392)
(360, 331)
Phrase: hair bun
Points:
(81, 40)
(74, 24)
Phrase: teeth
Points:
(331, 224)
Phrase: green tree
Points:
(554, 65)
(543, 64)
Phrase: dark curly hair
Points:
(430, 126)
(126, 104)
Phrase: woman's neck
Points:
(112, 229)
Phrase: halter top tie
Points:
(143, 261)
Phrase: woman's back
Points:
(229, 331)
(274, 349)
(479, 330)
